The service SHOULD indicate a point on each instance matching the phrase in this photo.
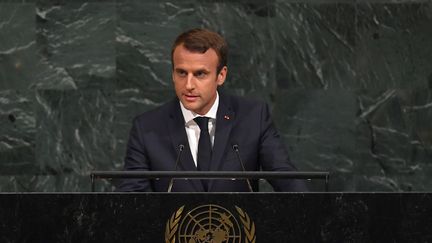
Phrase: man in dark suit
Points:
(208, 124)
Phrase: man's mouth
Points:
(190, 97)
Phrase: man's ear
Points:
(222, 75)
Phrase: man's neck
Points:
(190, 115)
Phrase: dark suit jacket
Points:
(156, 135)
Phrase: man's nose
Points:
(190, 82)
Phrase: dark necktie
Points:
(204, 147)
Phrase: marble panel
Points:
(349, 83)
(393, 45)
(17, 46)
(319, 131)
(49, 181)
(75, 42)
(81, 131)
(315, 45)
(17, 131)
(394, 140)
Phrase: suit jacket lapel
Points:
(178, 136)
(224, 123)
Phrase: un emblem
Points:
(210, 224)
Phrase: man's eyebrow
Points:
(202, 70)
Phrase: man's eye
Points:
(200, 74)
(181, 73)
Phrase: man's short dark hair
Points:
(200, 40)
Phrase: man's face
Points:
(196, 79)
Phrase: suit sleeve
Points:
(273, 155)
(135, 159)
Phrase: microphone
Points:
(180, 147)
(235, 147)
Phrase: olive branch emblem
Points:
(248, 226)
(172, 226)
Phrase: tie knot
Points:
(202, 122)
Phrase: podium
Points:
(263, 217)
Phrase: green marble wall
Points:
(349, 83)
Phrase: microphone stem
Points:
(236, 149)
(171, 183)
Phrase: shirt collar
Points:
(190, 115)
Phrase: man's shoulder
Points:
(242, 103)
(156, 114)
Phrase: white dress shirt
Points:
(193, 130)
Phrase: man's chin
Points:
(189, 106)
